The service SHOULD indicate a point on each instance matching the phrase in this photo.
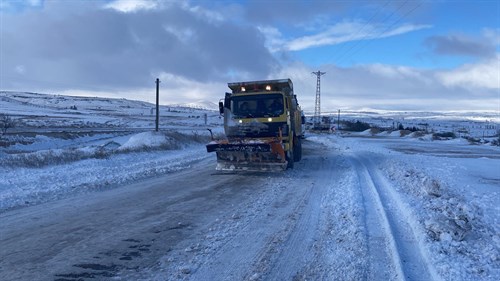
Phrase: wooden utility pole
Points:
(157, 103)
(338, 121)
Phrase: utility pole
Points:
(157, 103)
(338, 122)
(317, 108)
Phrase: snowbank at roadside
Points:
(35, 177)
(146, 140)
(422, 136)
(462, 238)
(454, 203)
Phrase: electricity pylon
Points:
(317, 108)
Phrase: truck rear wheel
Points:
(289, 159)
(297, 149)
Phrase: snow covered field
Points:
(358, 207)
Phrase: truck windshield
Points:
(256, 106)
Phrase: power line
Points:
(362, 40)
(388, 28)
(317, 109)
(365, 43)
(372, 18)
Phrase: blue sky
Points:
(437, 18)
(391, 55)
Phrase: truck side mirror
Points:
(303, 118)
(221, 107)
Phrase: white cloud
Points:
(365, 86)
(35, 3)
(183, 34)
(342, 32)
(17, 5)
(473, 76)
(174, 89)
(20, 69)
(403, 29)
(189, 90)
(493, 35)
(130, 6)
(346, 32)
(397, 72)
(211, 16)
(196, 50)
(389, 87)
(274, 38)
(102, 48)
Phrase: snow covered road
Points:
(337, 216)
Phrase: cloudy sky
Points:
(393, 55)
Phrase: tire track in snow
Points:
(392, 243)
(232, 244)
(298, 258)
(290, 248)
(323, 239)
(292, 234)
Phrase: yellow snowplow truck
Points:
(263, 127)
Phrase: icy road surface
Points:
(336, 216)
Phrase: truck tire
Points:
(297, 149)
(289, 159)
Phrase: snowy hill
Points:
(207, 105)
(22, 102)
(34, 110)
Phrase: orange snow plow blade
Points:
(249, 156)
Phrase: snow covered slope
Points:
(32, 110)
